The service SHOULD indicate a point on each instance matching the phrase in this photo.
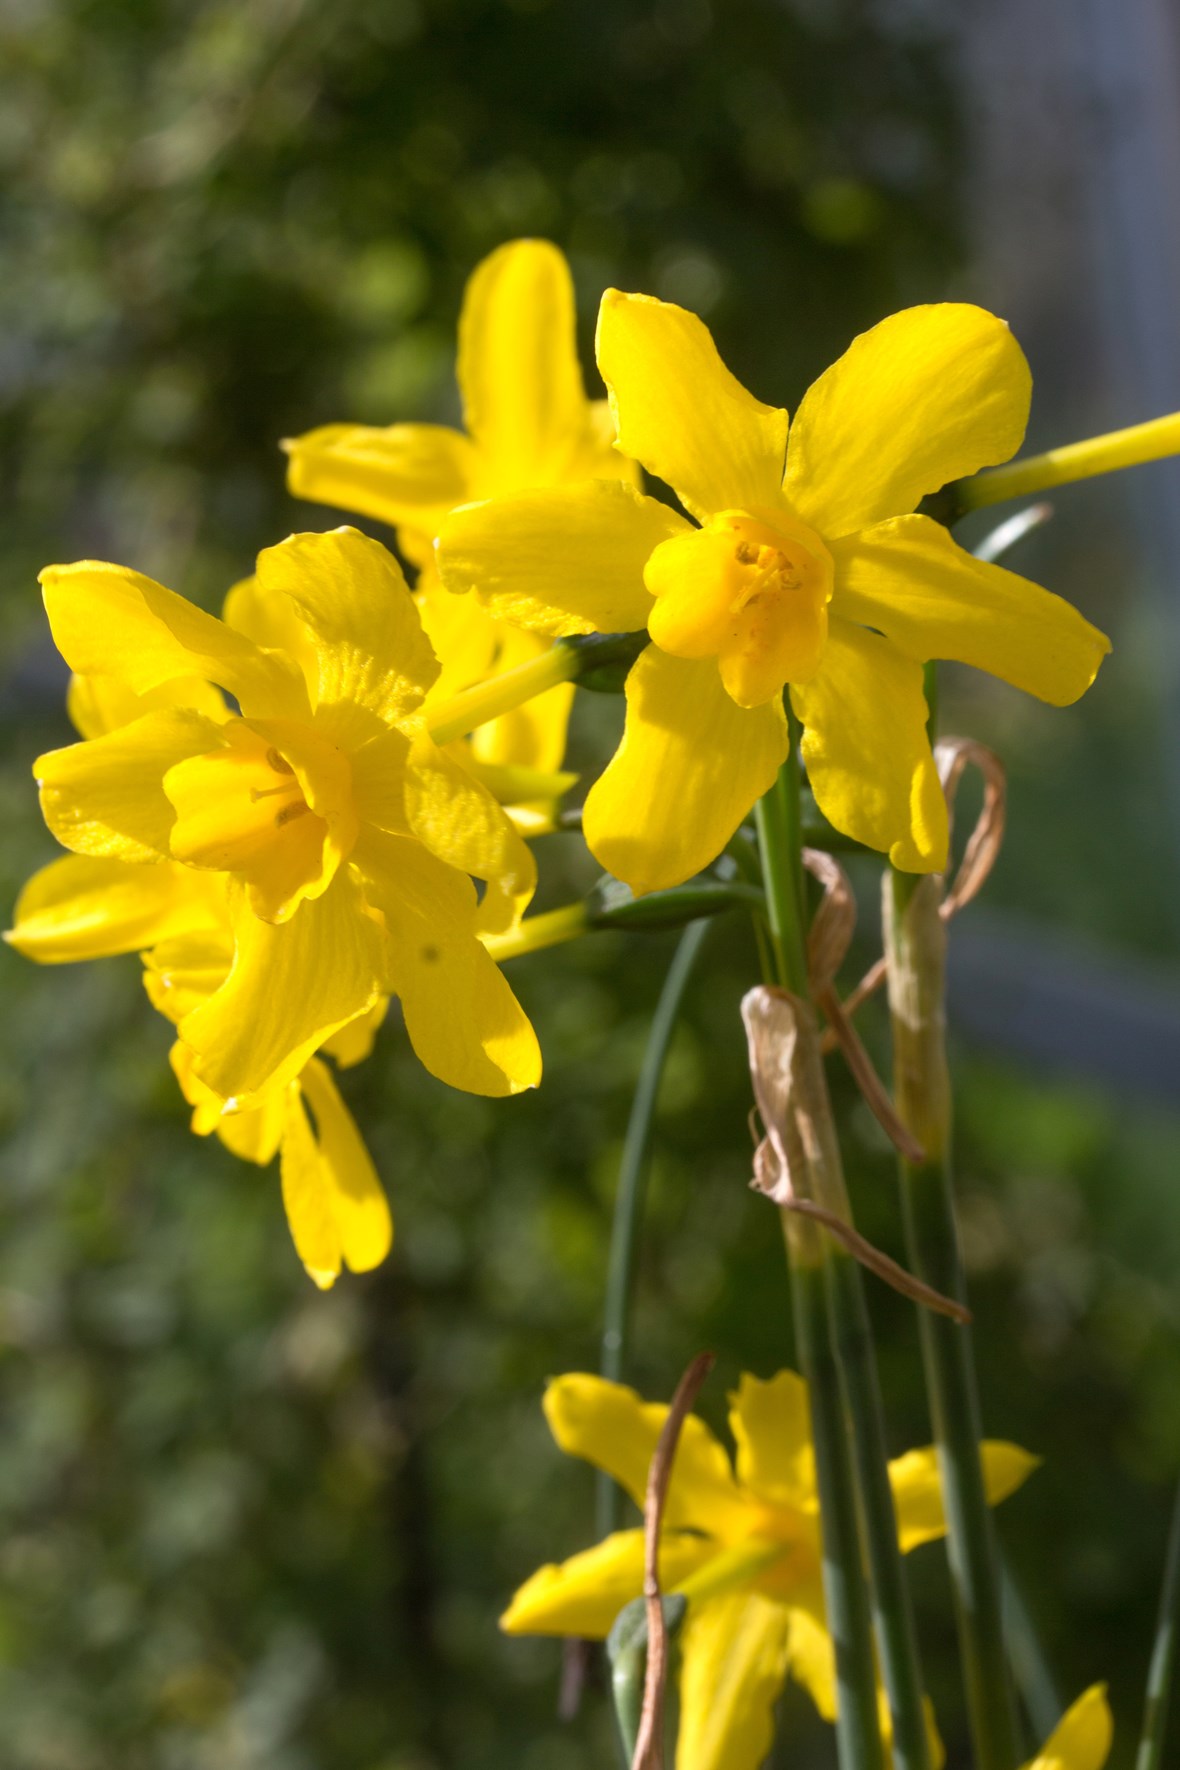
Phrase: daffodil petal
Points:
(289, 988)
(373, 655)
(358, 1201)
(867, 751)
(583, 1596)
(109, 621)
(272, 621)
(465, 636)
(1082, 1738)
(406, 473)
(253, 1135)
(928, 396)
(353, 1043)
(80, 907)
(917, 1487)
(909, 580)
(811, 1657)
(690, 766)
(459, 820)
(771, 1425)
(523, 398)
(612, 1427)
(307, 1195)
(563, 561)
(105, 796)
(681, 413)
(462, 1018)
(99, 704)
(733, 1663)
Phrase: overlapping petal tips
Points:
(289, 988)
(583, 1596)
(373, 657)
(80, 907)
(771, 1425)
(690, 766)
(734, 1657)
(917, 1487)
(564, 561)
(907, 579)
(460, 822)
(867, 752)
(930, 395)
(336, 1209)
(462, 1018)
(105, 797)
(405, 474)
(274, 623)
(523, 397)
(1082, 1738)
(110, 621)
(612, 1427)
(680, 412)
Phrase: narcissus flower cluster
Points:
(741, 1543)
(806, 567)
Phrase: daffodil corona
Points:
(806, 568)
(341, 835)
(742, 1545)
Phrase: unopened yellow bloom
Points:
(342, 834)
(527, 423)
(1082, 1738)
(805, 568)
(81, 907)
(742, 1544)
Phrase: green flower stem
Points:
(1081, 460)
(1163, 1659)
(848, 1335)
(634, 1167)
(846, 1591)
(915, 943)
(596, 660)
(846, 1595)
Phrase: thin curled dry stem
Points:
(953, 755)
(827, 942)
(649, 1741)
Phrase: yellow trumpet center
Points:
(750, 589)
(276, 814)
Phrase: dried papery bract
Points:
(827, 942)
(649, 1743)
(797, 1164)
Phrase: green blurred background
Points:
(244, 1526)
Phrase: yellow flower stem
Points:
(1082, 460)
(835, 1339)
(631, 1189)
(536, 932)
(915, 944)
(501, 694)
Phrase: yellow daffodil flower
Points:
(1082, 1738)
(343, 835)
(528, 423)
(82, 907)
(742, 1544)
(805, 567)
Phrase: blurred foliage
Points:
(247, 1526)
